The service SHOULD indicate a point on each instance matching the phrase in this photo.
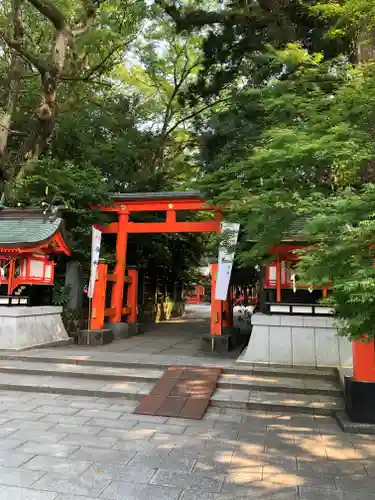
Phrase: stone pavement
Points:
(55, 447)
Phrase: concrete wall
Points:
(26, 327)
(296, 341)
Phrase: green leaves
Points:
(301, 149)
(79, 187)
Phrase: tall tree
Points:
(236, 34)
(164, 65)
(56, 42)
(302, 148)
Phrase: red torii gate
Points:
(124, 205)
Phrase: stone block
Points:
(95, 441)
(203, 495)
(74, 485)
(300, 309)
(10, 443)
(318, 322)
(101, 423)
(41, 436)
(327, 347)
(279, 308)
(324, 310)
(281, 344)
(235, 335)
(219, 343)
(104, 414)
(191, 480)
(120, 472)
(303, 346)
(59, 410)
(175, 462)
(345, 352)
(291, 320)
(156, 427)
(104, 455)
(130, 491)
(18, 477)
(266, 319)
(15, 458)
(74, 280)
(64, 465)
(119, 330)
(95, 337)
(27, 327)
(258, 348)
(15, 493)
(311, 493)
(75, 429)
(49, 449)
(134, 329)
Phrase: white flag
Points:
(95, 252)
(226, 257)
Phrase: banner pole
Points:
(89, 321)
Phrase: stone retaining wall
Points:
(296, 341)
(26, 327)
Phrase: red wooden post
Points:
(118, 286)
(98, 300)
(12, 268)
(216, 306)
(278, 279)
(132, 299)
(364, 361)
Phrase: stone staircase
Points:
(250, 387)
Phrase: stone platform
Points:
(27, 327)
(296, 340)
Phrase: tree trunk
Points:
(12, 85)
(46, 113)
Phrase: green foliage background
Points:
(268, 107)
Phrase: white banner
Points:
(226, 257)
(95, 252)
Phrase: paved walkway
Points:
(177, 337)
(79, 448)
(174, 341)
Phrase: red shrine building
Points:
(29, 241)
(200, 292)
(292, 326)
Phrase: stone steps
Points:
(135, 390)
(266, 388)
(230, 379)
(161, 362)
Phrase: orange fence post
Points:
(118, 285)
(216, 306)
(364, 361)
(278, 279)
(132, 298)
(98, 300)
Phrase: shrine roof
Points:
(294, 233)
(166, 195)
(27, 228)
